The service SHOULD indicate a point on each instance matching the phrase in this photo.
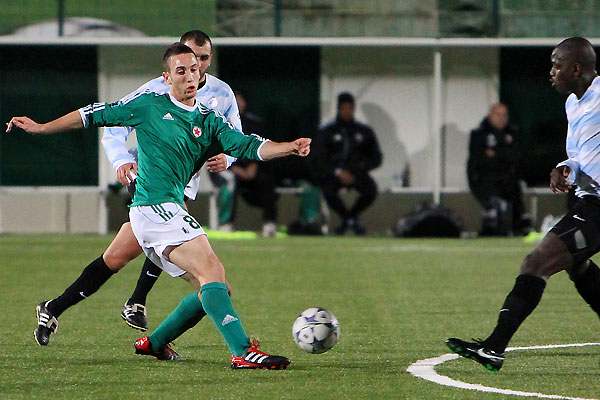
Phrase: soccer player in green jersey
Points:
(175, 137)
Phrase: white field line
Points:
(403, 249)
(446, 249)
(425, 369)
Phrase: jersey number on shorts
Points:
(192, 222)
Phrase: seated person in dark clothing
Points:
(492, 172)
(257, 188)
(253, 182)
(344, 152)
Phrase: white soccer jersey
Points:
(583, 140)
(215, 94)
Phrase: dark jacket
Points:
(503, 167)
(348, 145)
(251, 123)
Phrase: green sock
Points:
(225, 205)
(185, 316)
(310, 202)
(217, 304)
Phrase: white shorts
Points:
(162, 225)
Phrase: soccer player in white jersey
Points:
(576, 237)
(171, 151)
(214, 94)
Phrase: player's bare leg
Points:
(203, 267)
(119, 253)
(122, 249)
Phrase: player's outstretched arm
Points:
(271, 150)
(65, 123)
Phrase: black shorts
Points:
(580, 229)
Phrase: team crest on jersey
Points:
(197, 131)
(213, 102)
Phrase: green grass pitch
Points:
(396, 301)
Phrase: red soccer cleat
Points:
(143, 347)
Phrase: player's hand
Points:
(217, 163)
(25, 123)
(301, 147)
(127, 173)
(558, 179)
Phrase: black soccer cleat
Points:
(135, 316)
(491, 360)
(47, 324)
(256, 359)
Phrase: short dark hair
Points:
(345, 97)
(580, 50)
(199, 37)
(173, 50)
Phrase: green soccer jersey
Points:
(174, 140)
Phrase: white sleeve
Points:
(192, 187)
(571, 162)
(114, 138)
(233, 114)
(573, 167)
(113, 141)
(233, 117)
(230, 160)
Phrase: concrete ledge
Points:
(81, 211)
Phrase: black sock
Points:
(148, 277)
(90, 280)
(519, 303)
(588, 286)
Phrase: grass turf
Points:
(396, 300)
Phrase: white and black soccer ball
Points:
(316, 330)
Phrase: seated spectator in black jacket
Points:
(344, 152)
(253, 182)
(492, 171)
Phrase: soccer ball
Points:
(316, 330)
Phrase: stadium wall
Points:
(394, 95)
(394, 88)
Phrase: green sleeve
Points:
(234, 142)
(121, 113)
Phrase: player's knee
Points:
(208, 270)
(538, 264)
(215, 265)
(532, 264)
(115, 260)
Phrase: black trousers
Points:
(259, 192)
(363, 184)
(486, 189)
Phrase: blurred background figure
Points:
(345, 151)
(253, 182)
(492, 170)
